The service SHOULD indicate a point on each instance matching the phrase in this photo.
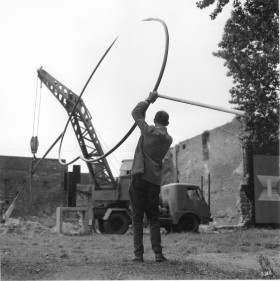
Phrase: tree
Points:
(251, 50)
(250, 47)
(220, 5)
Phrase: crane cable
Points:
(34, 143)
(134, 125)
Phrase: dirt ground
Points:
(33, 251)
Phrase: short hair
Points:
(162, 118)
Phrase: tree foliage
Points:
(220, 5)
(250, 47)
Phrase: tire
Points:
(188, 223)
(117, 223)
(168, 229)
(101, 225)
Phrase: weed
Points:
(266, 268)
(63, 255)
(271, 246)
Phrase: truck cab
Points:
(183, 207)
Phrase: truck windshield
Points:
(194, 194)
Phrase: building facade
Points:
(42, 194)
(215, 159)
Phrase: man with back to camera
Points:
(146, 175)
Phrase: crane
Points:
(88, 141)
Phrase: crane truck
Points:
(182, 205)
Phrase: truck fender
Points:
(113, 210)
(185, 213)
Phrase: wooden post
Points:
(209, 184)
(70, 191)
(72, 179)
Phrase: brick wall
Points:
(41, 195)
(218, 153)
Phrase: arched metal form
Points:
(88, 158)
(80, 118)
(83, 128)
(154, 89)
(78, 113)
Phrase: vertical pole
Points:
(209, 185)
(75, 178)
(201, 185)
(59, 219)
(65, 189)
(70, 189)
(93, 206)
(176, 163)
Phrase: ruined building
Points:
(213, 159)
(41, 195)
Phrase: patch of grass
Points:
(77, 251)
(271, 246)
(63, 255)
(93, 253)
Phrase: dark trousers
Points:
(144, 198)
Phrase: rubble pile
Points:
(20, 226)
(33, 226)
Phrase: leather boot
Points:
(138, 258)
(160, 258)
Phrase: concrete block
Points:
(61, 210)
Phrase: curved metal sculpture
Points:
(134, 125)
(77, 101)
(154, 90)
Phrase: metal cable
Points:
(39, 110)
(35, 105)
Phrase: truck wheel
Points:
(168, 229)
(101, 226)
(117, 223)
(188, 223)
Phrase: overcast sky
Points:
(67, 38)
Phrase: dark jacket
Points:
(151, 149)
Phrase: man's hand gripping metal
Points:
(152, 97)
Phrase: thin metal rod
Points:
(12, 206)
(219, 108)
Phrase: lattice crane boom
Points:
(83, 128)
